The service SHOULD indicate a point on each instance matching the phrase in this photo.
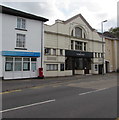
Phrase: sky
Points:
(94, 11)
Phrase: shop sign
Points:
(72, 53)
(19, 53)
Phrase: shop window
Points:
(87, 63)
(20, 41)
(21, 23)
(18, 64)
(34, 59)
(52, 67)
(26, 64)
(9, 64)
(33, 64)
(78, 32)
(47, 51)
(79, 63)
(68, 63)
(61, 67)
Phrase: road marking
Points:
(93, 91)
(37, 87)
(56, 85)
(49, 85)
(6, 92)
(25, 106)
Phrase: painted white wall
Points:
(33, 35)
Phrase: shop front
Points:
(18, 65)
(78, 62)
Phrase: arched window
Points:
(78, 32)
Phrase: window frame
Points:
(62, 67)
(78, 32)
(9, 62)
(47, 51)
(17, 63)
(54, 51)
(85, 46)
(61, 52)
(72, 44)
(78, 45)
(20, 40)
(51, 67)
(27, 62)
(21, 23)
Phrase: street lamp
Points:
(103, 61)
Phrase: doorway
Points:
(100, 68)
(107, 66)
(86, 71)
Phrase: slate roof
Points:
(14, 12)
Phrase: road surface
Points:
(70, 99)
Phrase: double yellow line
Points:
(6, 92)
(56, 84)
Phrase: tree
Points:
(114, 31)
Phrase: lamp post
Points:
(103, 61)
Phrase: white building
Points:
(21, 44)
(118, 14)
(72, 47)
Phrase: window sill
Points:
(20, 48)
(20, 29)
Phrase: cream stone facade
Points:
(111, 54)
(72, 47)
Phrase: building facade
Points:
(72, 47)
(111, 53)
(21, 44)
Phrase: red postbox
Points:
(40, 71)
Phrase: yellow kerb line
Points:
(6, 92)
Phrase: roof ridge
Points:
(79, 15)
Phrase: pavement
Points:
(8, 85)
